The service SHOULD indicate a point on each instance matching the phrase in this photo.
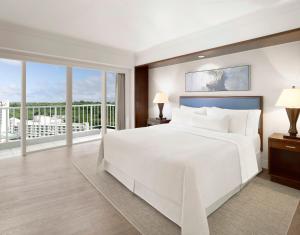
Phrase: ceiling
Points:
(133, 25)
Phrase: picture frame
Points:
(235, 78)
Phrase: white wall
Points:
(265, 22)
(272, 69)
(23, 39)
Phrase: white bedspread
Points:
(173, 161)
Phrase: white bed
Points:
(133, 156)
(184, 172)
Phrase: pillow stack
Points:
(244, 122)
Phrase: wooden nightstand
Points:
(155, 121)
(284, 160)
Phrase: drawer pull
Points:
(290, 147)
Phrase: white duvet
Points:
(179, 164)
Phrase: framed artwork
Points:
(224, 79)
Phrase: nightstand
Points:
(284, 160)
(156, 121)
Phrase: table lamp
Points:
(160, 99)
(290, 99)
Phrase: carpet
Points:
(295, 225)
(261, 208)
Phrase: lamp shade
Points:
(160, 98)
(289, 98)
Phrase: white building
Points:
(49, 126)
(39, 126)
(42, 126)
(4, 116)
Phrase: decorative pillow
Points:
(238, 118)
(201, 110)
(220, 123)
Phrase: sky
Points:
(47, 83)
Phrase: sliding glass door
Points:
(111, 100)
(44, 88)
(10, 98)
(86, 107)
(46, 106)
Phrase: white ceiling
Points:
(133, 25)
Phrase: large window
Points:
(86, 104)
(47, 121)
(111, 100)
(46, 106)
(10, 97)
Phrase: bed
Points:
(186, 172)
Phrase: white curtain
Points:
(120, 101)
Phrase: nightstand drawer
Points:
(285, 145)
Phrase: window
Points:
(10, 97)
(46, 90)
(46, 106)
(111, 100)
(86, 104)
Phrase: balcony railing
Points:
(45, 121)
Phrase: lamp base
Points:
(287, 136)
(160, 107)
(161, 118)
(293, 115)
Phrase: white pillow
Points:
(201, 110)
(220, 123)
(244, 122)
(181, 117)
(238, 118)
(253, 122)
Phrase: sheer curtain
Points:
(120, 101)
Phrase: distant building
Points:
(39, 126)
(4, 116)
(42, 126)
(48, 126)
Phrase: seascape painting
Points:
(226, 79)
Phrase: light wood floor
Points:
(45, 194)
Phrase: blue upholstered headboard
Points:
(227, 102)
